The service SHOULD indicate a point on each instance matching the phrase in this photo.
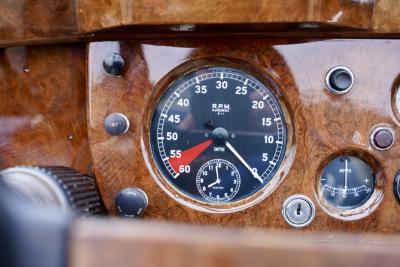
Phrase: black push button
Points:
(116, 124)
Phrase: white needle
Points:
(211, 185)
(345, 175)
(216, 170)
(254, 172)
(217, 181)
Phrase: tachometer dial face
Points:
(218, 180)
(218, 116)
(347, 182)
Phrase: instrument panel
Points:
(226, 131)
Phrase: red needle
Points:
(188, 155)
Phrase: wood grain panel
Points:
(117, 243)
(42, 110)
(323, 123)
(106, 14)
(47, 21)
(386, 16)
(33, 20)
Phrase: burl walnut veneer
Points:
(324, 124)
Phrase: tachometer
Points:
(218, 135)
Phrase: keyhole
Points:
(298, 209)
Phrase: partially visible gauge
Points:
(397, 100)
(347, 182)
(218, 180)
(218, 135)
(397, 186)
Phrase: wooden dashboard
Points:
(49, 113)
(323, 124)
(55, 97)
(240, 133)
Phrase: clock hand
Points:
(216, 170)
(217, 181)
(253, 172)
(345, 174)
(211, 185)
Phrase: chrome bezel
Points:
(328, 75)
(373, 133)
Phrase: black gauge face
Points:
(218, 180)
(218, 135)
(347, 182)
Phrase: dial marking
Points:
(188, 155)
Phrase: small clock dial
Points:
(218, 180)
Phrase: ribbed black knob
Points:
(60, 186)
